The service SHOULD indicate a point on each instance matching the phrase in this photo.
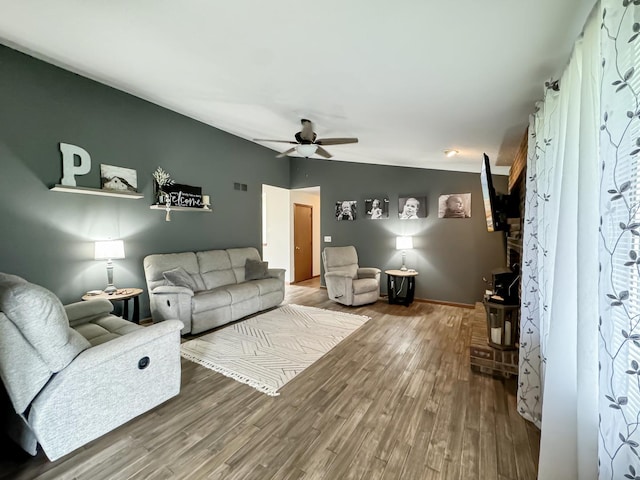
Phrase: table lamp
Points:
(404, 243)
(108, 250)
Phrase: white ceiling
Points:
(409, 78)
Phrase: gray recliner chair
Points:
(73, 373)
(346, 281)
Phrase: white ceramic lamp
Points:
(404, 244)
(109, 250)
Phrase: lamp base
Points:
(110, 290)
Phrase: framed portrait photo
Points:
(376, 208)
(412, 207)
(346, 210)
(454, 205)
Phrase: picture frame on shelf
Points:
(121, 179)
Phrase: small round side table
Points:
(124, 295)
(394, 290)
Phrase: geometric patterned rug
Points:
(269, 350)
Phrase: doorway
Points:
(302, 242)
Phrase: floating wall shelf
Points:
(181, 209)
(97, 191)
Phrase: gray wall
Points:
(47, 236)
(451, 255)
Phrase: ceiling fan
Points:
(307, 142)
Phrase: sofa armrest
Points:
(170, 301)
(106, 386)
(276, 273)
(172, 289)
(368, 272)
(338, 274)
(86, 310)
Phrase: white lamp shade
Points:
(206, 200)
(404, 243)
(109, 249)
(307, 150)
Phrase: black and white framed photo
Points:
(376, 208)
(412, 207)
(118, 178)
(454, 205)
(346, 210)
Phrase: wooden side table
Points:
(395, 284)
(123, 294)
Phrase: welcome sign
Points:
(184, 195)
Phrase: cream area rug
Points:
(269, 350)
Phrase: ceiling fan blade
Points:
(323, 153)
(284, 154)
(279, 141)
(335, 141)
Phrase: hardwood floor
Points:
(395, 400)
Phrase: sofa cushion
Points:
(156, 265)
(238, 257)
(243, 292)
(210, 300)
(215, 268)
(105, 329)
(255, 269)
(42, 320)
(268, 285)
(364, 285)
(180, 277)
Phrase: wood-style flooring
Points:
(395, 400)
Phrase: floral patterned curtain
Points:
(619, 295)
(558, 374)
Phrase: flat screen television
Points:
(490, 199)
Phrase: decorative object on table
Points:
(109, 250)
(502, 325)
(118, 178)
(269, 350)
(455, 205)
(69, 167)
(404, 244)
(346, 210)
(412, 208)
(376, 208)
(206, 202)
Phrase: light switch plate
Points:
(327, 238)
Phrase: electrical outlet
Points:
(327, 239)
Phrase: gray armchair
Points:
(346, 282)
(73, 373)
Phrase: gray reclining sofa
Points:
(211, 288)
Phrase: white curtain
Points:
(619, 295)
(559, 313)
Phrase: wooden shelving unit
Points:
(97, 191)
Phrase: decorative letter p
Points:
(69, 169)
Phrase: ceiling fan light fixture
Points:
(306, 150)
(451, 153)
